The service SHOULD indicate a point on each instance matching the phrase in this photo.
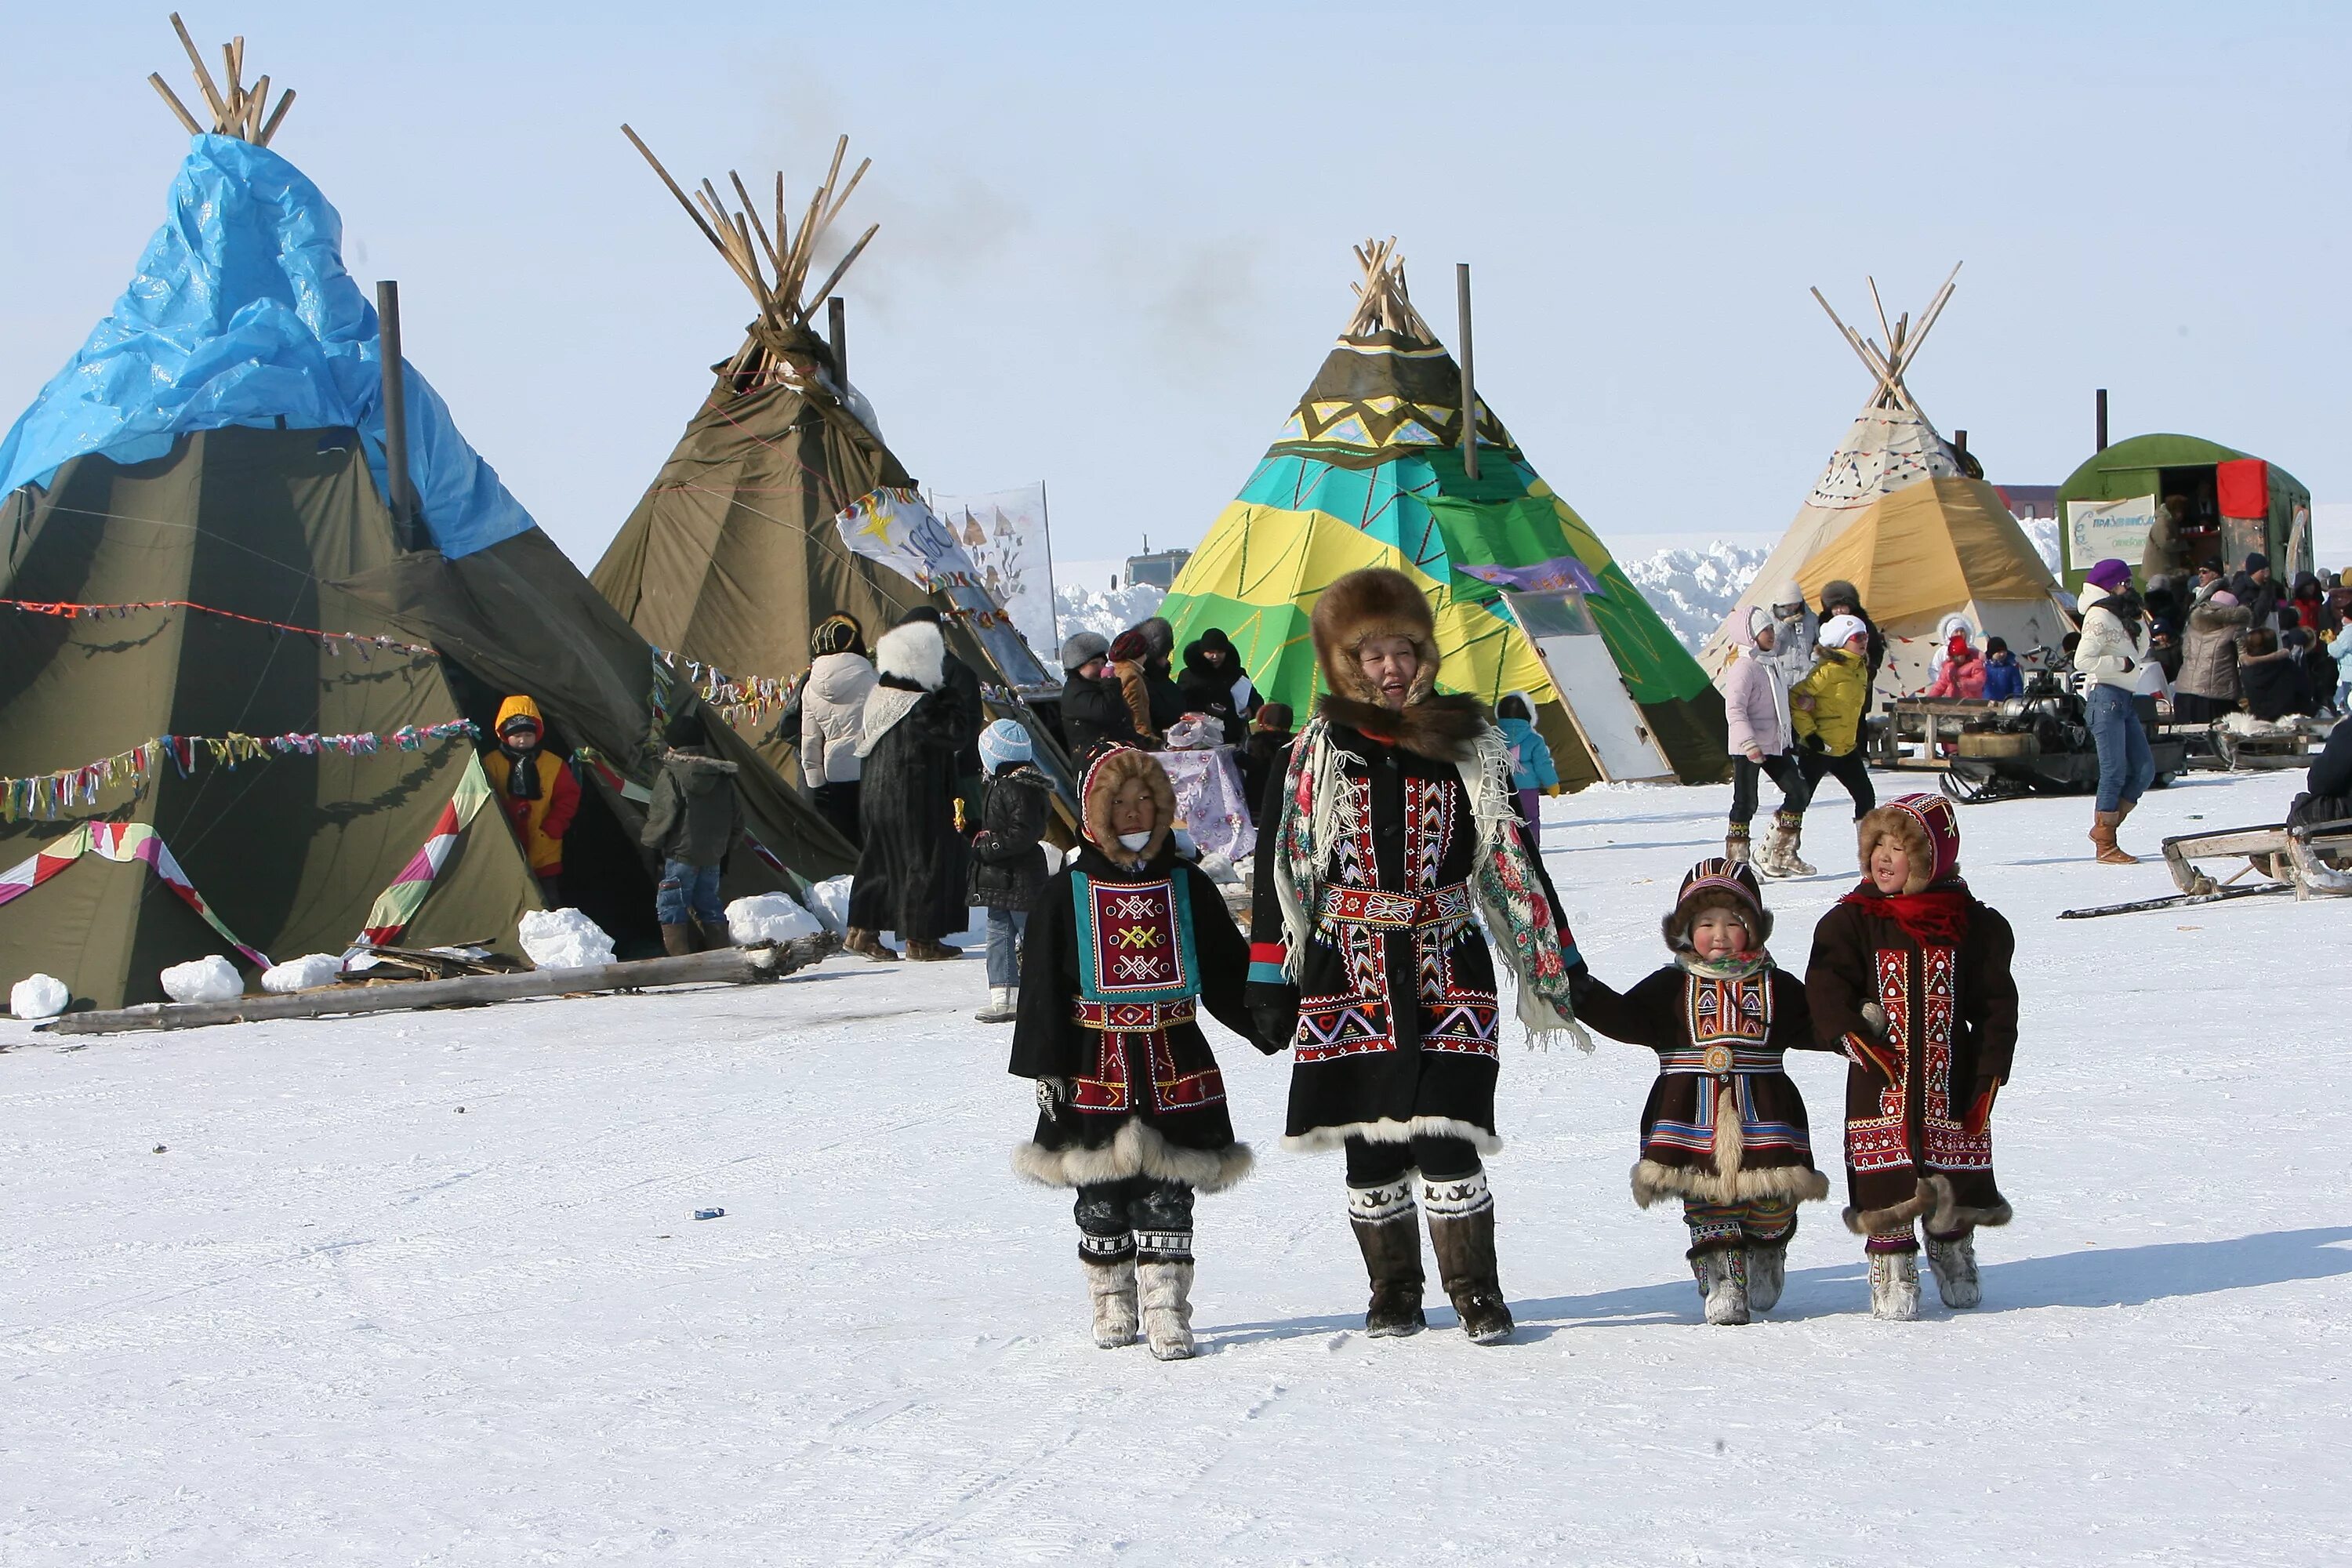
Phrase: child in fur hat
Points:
(1128, 943)
(1910, 977)
(1724, 1127)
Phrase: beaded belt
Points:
(1132, 1017)
(1395, 912)
(1722, 1061)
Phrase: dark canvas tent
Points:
(200, 569)
(731, 556)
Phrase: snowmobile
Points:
(2039, 742)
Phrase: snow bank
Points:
(38, 996)
(563, 938)
(770, 917)
(1692, 590)
(829, 901)
(208, 979)
(307, 973)
(1079, 609)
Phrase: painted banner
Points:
(126, 843)
(397, 905)
(2098, 528)
(1553, 576)
(894, 528)
(1006, 535)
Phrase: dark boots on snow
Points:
(677, 941)
(1388, 1229)
(1462, 1233)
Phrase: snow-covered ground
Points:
(424, 1288)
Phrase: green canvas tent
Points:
(235, 694)
(2237, 504)
(1370, 471)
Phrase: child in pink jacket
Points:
(1964, 670)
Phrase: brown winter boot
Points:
(1387, 1230)
(868, 944)
(922, 950)
(1462, 1233)
(677, 940)
(2103, 839)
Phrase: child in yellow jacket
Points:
(1827, 708)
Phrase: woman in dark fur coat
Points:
(910, 871)
(1910, 977)
(1128, 943)
(1725, 1127)
(1390, 832)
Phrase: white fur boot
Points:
(1112, 1286)
(1167, 1294)
(1791, 838)
(1722, 1277)
(1767, 1271)
(1773, 860)
(1003, 1006)
(1955, 1263)
(1894, 1285)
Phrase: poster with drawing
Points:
(1004, 534)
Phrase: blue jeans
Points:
(686, 887)
(2126, 764)
(1004, 931)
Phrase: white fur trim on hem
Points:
(1138, 1150)
(1654, 1181)
(1388, 1130)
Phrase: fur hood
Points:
(1373, 602)
(1926, 827)
(913, 655)
(1104, 777)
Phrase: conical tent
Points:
(1900, 514)
(731, 557)
(236, 715)
(1369, 471)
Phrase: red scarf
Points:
(1936, 917)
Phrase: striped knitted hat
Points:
(1717, 884)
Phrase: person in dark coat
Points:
(2269, 678)
(1839, 598)
(692, 823)
(1723, 1128)
(2257, 589)
(1126, 946)
(1912, 977)
(970, 710)
(1267, 756)
(911, 877)
(1212, 669)
(1093, 709)
(2002, 679)
(1367, 956)
(1166, 702)
(2327, 795)
(1008, 858)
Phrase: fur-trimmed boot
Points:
(867, 944)
(1894, 1285)
(1722, 1275)
(2103, 840)
(1780, 850)
(1112, 1288)
(1735, 843)
(676, 940)
(1955, 1263)
(1003, 1006)
(1462, 1233)
(1768, 1272)
(1388, 1229)
(1165, 1289)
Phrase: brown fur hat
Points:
(1926, 828)
(1106, 775)
(1373, 602)
(1717, 884)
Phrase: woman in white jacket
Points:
(2111, 657)
(833, 719)
(1762, 741)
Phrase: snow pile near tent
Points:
(2043, 532)
(208, 979)
(38, 996)
(768, 916)
(307, 973)
(563, 938)
(1692, 590)
(1079, 609)
(829, 901)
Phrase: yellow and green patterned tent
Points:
(1369, 471)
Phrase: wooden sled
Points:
(2314, 858)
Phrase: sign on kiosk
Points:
(2098, 528)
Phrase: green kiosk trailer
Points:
(2237, 504)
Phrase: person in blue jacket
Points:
(1532, 773)
(2002, 677)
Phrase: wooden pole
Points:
(1960, 444)
(402, 501)
(2102, 428)
(1469, 373)
(837, 326)
(735, 965)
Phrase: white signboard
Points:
(894, 528)
(1004, 534)
(2098, 528)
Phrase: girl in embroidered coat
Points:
(1910, 977)
(1725, 1127)
(1392, 830)
(1128, 943)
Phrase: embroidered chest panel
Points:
(1727, 1012)
(1921, 1023)
(1135, 941)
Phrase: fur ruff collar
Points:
(1444, 727)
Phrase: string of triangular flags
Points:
(745, 696)
(333, 642)
(55, 794)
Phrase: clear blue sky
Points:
(1115, 246)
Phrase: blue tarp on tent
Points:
(241, 313)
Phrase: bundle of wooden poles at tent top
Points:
(237, 111)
